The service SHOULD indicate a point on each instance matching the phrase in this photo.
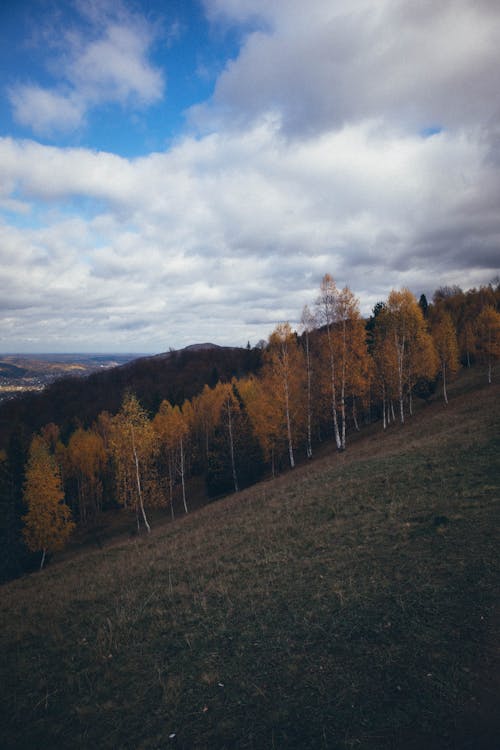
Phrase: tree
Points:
(48, 520)
(172, 427)
(265, 416)
(86, 459)
(308, 323)
(445, 341)
(414, 355)
(488, 337)
(283, 375)
(235, 457)
(351, 352)
(133, 446)
(326, 304)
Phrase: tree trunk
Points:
(289, 427)
(354, 414)
(384, 419)
(139, 489)
(308, 363)
(444, 384)
(231, 446)
(182, 477)
(43, 558)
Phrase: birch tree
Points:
(133, 447)
(488, 337)
(283, 375)
(308, 324)
(414, 354)
(445, 341)
(326, 306)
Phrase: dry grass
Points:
(349, 604)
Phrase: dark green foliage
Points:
(249, 462)
(14, 557)
(424, 305)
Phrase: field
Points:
(348, 604)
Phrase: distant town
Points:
(20, 373)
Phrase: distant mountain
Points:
(174, 375)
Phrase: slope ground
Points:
(349, 604)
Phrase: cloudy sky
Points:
(182, 171)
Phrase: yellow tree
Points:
(48, 523)
(265, 415)
(283, 376)
(308, 324)
(445, 341)
(133, 447)
(326, 306)
(172, 427)
(86, 459)
(414, 354)
(350, 352)
(488, 337)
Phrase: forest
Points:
(228, 417)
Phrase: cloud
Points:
(221, 237)
(359, 140)
(43, 110)
(103, 61)
(320, 65)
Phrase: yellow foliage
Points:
(48, 520)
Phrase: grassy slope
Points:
(349, 604)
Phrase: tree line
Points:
(323, 381)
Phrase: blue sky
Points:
(174, 172)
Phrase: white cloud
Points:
(225, 234)
(106, 61)
(221, 237)
(43, 110)
(322, 64)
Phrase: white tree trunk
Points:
(139, 489)
(181, 445)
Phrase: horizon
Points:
(192, 171)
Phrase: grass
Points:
(348, 604)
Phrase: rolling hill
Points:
(351, 603)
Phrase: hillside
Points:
(174, 375)
(347, 604)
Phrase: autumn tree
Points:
(488, 337)
(86, 459)
(326, 307)
(48, 523)
(265, 414)
(414, 354)
(235, 458)
(445, 341)
(133, 446)
(350, 352)
(308, 324)
(283, 376)
(172, 426)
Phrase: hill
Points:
(174, 375)
(348, 604)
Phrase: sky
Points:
(183, 171)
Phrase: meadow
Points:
(350, 603)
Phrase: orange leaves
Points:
(48, 520)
